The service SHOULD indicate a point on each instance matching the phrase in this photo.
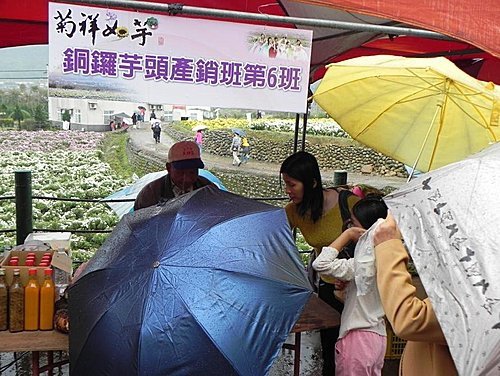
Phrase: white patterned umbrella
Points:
(450, 222)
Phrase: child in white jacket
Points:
(360, 349)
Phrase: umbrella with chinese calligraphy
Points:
(449, 219)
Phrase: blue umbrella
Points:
(131, 191)
(239, 132)
(210, 283)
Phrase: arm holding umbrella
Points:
(411, 318)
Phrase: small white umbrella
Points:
(199, 127)
(449, 219)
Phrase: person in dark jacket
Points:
(183, 163)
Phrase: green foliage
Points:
(29, 125)
(303, 247)
(17, 115)
(41, 117)
(7, 122)
(22, 103)
(66, 116)
(3, 110)
(113, 152)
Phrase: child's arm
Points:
(351, 234)
(327, 263)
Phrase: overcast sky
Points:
(19, 62)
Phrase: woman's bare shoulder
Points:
(331, 199)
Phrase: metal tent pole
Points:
(296, 133)
(304, 128)
(221, 13)
(24, 205)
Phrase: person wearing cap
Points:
(183, 162)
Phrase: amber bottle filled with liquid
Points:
(47, 301)
(4, 301)
(31, 302)
(16, 303)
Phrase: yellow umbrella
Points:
(424, 112)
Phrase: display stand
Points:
(36, 342)
(315, 316)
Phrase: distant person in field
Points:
(134, 120)
(198, 138)
(244, 150)
(156, 128)
(235, 149)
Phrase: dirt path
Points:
(144, 138)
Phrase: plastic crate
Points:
(395, 345)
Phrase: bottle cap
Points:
(43, 264)
(17, 272)
(2, 271)
(30, 263)
(32, 271)
(47, 271)
(13, 262)
(31, 254)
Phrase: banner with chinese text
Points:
(132, 56)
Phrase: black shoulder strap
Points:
(344, 206)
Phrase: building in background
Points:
(96, 114)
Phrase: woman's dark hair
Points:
(303, 167)
(369, 209)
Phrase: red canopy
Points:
(475, 22)
(475, 62)
(24, 22)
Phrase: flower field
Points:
(64, 165)
(317, 127)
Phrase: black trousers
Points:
(329, 336)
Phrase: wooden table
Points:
(35, 342)
(316, 315)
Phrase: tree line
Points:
(24, 107)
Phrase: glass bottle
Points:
(16, 303)
(31, 302)
(4, 301)
(47, 300)
(61, 278)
